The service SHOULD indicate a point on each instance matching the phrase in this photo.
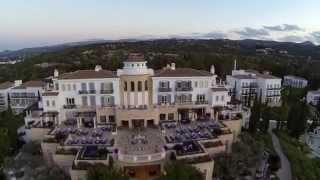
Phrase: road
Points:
(284, 173)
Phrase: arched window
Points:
(146, 85)
(139, 86)
(132, 85)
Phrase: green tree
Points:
(99, 172)
(297, 119)
(181, 171)
(255, 116)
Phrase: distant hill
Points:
(27, 52)
(280, 58)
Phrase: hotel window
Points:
(53, 103)
(162, 117)
(196, 84)
(63, 87)
(146, 85)
(206, 84)
(84, 100)
(91, 86)
(139, 86)
(93, 100)
(48, 103)
(201, 97)
(83, 86)
(70, 101)
(69, 87)
(170, 116)
(74, 87)
(132, 85)
(103, 119)
(125, 86)
(111, 119)
(217, 98)
(222, 98)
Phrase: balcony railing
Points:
(184, 88)
(23, 96)
(106, 91)
(69, 106)
(201, 102)
(164, 89)
(87, 91)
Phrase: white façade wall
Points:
(269, 87)
(207, 83)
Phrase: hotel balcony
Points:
(69, 106)
(184, 88)
(87, 91)
(106, 91)
(164, 89)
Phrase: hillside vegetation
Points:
(301, 59)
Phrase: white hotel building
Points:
(138, 116)
(294, 81)
(246, 85)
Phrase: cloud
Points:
(284, 27)
(315, 36)
(293, 38)
(248, 32)
(215, 35)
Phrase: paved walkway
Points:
(284, 173)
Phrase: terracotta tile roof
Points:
(181, 72)
(6, 85)
(88, 74)
(30, 84)
(49, 93)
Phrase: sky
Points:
(30, 23)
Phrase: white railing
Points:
(141, 158)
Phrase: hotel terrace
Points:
(138, 117)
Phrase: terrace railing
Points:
(141, 158)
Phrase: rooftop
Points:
(294, 77)
(30, 84)
(181, 72)
(6, 85)
(88, 74)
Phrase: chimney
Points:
(173, 66)
(98, 68)
(55, 73)
(212, 69)
(17, 82)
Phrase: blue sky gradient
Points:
(45, 22)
